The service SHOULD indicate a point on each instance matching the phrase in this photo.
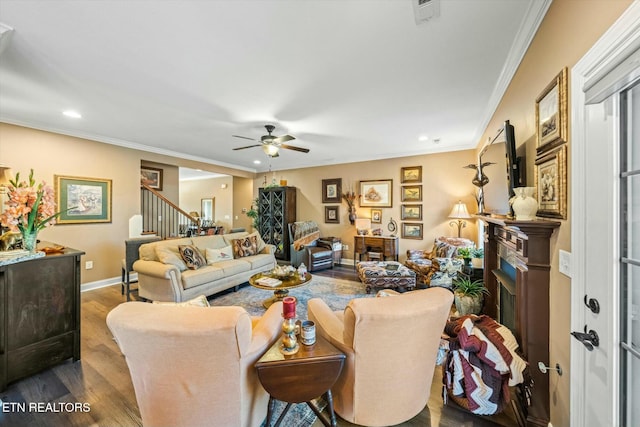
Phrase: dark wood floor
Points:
(101, 380)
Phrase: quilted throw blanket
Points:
(481, 363)
(304, 232)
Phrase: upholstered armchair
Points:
(391, 344)
(194, 366)
(308, 247)
(440, 265)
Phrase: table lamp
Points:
(363, 225)
(459, 212)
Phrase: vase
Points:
(29, 240)
(523, 204)
(352, 216)
(466, 304)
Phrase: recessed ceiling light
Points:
(72, 114)
(256, 162)
(423, 138)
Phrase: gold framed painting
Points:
(551, 114)
(411, 174)
(411, 212)
(551, 181)
(411, 193)
(412, 230)
(83, 200)
(376, 193)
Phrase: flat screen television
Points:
(501, 168)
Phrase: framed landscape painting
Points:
(331, 190)
(411, 212)
(411, 193)
(151, 177)
(412, 230)
(376, 194)
(83, 200)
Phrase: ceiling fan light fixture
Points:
(270, 150)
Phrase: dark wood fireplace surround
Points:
(525, 248)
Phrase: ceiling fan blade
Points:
(284, 138)
(248, 146)
(291, 147)
(243, 137)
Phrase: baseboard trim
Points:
(89, 286)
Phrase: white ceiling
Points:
(352, 80)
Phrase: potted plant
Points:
(254, 214)
(476, 257)
(465, 254)
(469, 295)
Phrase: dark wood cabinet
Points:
(40, 312)
(276, 209)
(516, 272)
(386, 246)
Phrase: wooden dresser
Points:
(40, 312)
(516, 273)
(386, 246)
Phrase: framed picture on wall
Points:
(331, 190)
(332, 214)
(376, 194)
(376, 216)
(551, 181)
(411, 174)
(411, 212)
(151, 177)
(551, 114)
(412, 230)
(411, 193)
(83, 200)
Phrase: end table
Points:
(301, 377)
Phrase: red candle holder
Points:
(289, 307)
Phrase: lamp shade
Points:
(363, 223)
(459, 211)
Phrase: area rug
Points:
(335, 292)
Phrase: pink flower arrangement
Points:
(30, 208)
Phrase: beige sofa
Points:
(164, 276)
(194, 366)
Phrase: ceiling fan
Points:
(271, 144)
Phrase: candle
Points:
(289, 307)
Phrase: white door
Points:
(605, 217)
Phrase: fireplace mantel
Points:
(518, 254)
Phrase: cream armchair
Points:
(194, 366)
(391, 345)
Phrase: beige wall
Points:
(444, 182)
(569, 29)
(192, 192)
(51, 154)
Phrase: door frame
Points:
(604, 55)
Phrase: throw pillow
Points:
(261, 243)
(170, 255)
(245, 247)
(192, 256)
(217, 255)
(199, 301)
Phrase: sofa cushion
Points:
(206, 274)
(148, 250)
(244, 247)
(199, 301)
(169, 255)
(217, 255)
(215, 242)
(260, 260)
(192, 257)
(261, 243)
(234, 266)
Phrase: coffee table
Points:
(282, 290)
(301, 377)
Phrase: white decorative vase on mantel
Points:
(524, 204)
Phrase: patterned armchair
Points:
(440, 265)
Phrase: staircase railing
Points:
(162, 217)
